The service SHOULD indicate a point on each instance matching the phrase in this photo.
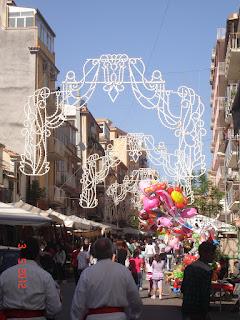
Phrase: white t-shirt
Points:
(150, 250)
(83, 260)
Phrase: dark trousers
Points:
(194, 316)
(75, 272)
(137, 278)
(60, 272)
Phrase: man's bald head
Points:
(103, 249)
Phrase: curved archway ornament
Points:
(114, 72)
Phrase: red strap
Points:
(102, 310)
(2, 315)
(21, 313)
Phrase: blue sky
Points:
(174, 36)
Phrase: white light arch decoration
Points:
(113, 72)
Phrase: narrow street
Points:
(168, 309)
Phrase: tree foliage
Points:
(34, 193)
(207, 197)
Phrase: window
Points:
(44, 35)
(20, 23)
(21, 18)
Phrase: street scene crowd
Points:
(110, 274)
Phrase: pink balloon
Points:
(165, 222)
(166, 199)
(149, 204)
(144, 184)
(172, 243)
(167, 249)
(188, 213)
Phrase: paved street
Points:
(168, 308)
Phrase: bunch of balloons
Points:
(165, 211)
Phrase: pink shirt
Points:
(135, 264)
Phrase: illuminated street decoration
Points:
(92, 176)
(118, 192)
(45, 111)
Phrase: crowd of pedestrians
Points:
(109, 275)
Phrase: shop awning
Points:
(34, 210)
(79, 223)
(129, 230)
(11, 215)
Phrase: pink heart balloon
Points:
(188, 213)
(149, 204)
(165, 222)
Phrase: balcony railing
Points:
(232, 154)
(220, 175)
(233, 176)
(233, 57)
(233, 196)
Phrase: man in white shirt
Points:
(26, 290)
(106, 290)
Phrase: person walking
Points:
(106, 290)
(158, 274)
(26, 290)
(60, 259)
(150, 250)
(148, 271)
(74, 261)
(121, 253)
(83, 259)
(196, 285)
(136, 266)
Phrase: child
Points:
(148, 270)
(157, 274)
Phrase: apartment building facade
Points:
(224, 79)
(28, 63)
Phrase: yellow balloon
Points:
(177, 197)
(154, 182)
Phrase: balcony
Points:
(219, 180)
(56, 149)
(233, 196)
(232, 154)
(219, 114)
(233, 176)
(232, 66)
(221, 142)
(57, 195)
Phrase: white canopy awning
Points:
(34, 210)
(11, 215)
(79, 223)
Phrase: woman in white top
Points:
(158, 274)
(150, 250)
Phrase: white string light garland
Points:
(114, 72)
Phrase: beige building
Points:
(225, 76)
(122, 213)
(28, 63)
(11, 187)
